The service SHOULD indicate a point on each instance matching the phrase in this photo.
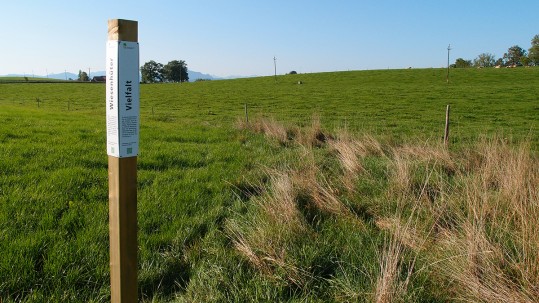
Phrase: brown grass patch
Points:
(266, 126)
(491, 250)
(390, 285)
(471, 215)
(313, 135)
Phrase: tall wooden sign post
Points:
(122, 95)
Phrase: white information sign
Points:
(123, 98)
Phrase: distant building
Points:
(99, 79)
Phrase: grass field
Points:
(28, 80)
(213, 191)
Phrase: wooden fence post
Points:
(123, 109)
(246, 114)
(446, 133)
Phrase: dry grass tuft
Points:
(391, 286)
(281, 207)
(472, 215)
(312, 136)
(371, 146)
(241, 124)
(402, 169)
(427, 153)
(479, 268)
(420, 172)
(491, 251)
(313, 184)
(265, 238)
(325, 197)
(267, 126)
(405, 234)
(273, 130)
(351, 152)
(246, 246)
(484, 240)
(349, 155)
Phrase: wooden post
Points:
(446, 133)
(246, 114)
(122, 148)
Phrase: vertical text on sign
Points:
(123, 98)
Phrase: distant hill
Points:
(60, 76)
(193, 76)
(8, 79)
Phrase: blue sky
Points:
(236, 37)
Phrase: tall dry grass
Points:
(492, 248)
(320, 192)
(470, 217)
(312, 135)
(351, 152)
(478, 229)
(271, 128)
(264, 238)
(391, 285)
(483, 239)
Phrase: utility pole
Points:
(88, 74)
(448, 49)
(65, 73)
(275, 66)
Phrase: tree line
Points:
(174, 71)
(153, 72)
(515, 56)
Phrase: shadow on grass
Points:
(172, 277)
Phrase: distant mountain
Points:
(64, 76)
(61, 76)
(193, 76)
(238, 77)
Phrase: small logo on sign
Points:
(127, 47)
(129, 150)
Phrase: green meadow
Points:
(206, 180)
(27, 79)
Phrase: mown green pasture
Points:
(195, 168)
(28, 79)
